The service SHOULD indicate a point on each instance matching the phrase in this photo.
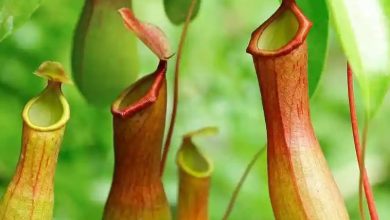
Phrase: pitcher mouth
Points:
(193, 162)
(141, 94)
(284, 31)
(48, 111)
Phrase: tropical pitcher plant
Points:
(105, 63)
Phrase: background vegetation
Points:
(218, 87)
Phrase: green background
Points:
(218, 88)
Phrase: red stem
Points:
(176, 87)
(360, 159)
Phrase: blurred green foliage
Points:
(218, 87)
(368, 54)
(14, 13)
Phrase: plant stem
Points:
(361, 206)
(364, 146)
(359, 152)
(176, 87)
(241, 182)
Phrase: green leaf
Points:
(317, 12)
(363, 30)
(13, 13)
(177, 10)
